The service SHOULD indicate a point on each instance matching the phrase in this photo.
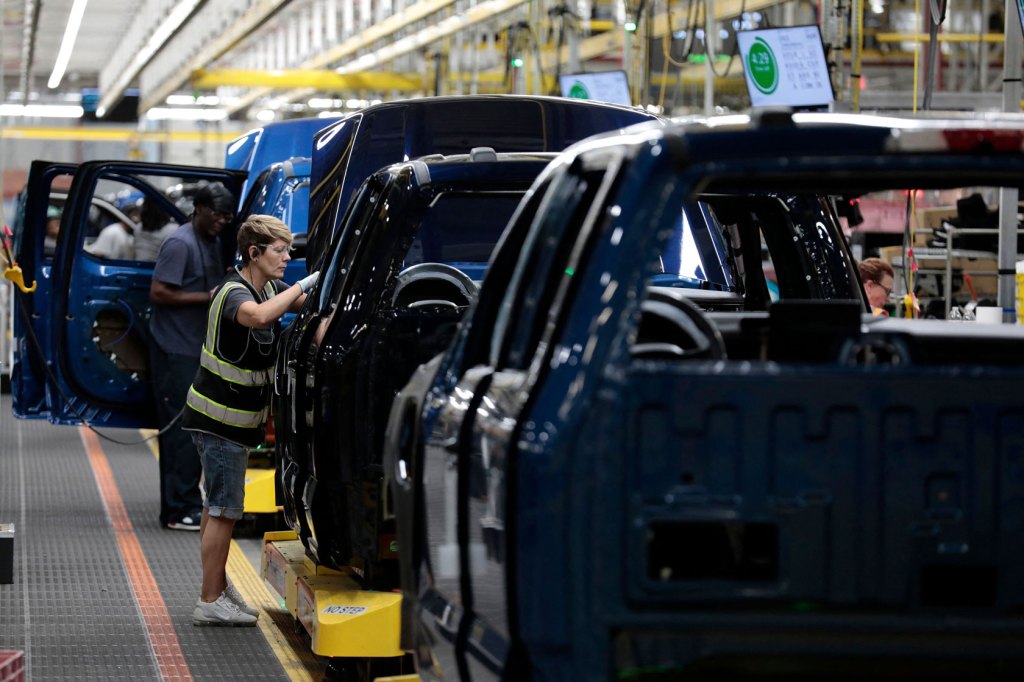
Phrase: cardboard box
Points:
(927, 220)
(979, 266)
(932, 217)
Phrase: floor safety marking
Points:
(163, 640)
(276, 623)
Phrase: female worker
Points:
(226, 408)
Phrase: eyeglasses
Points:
(226, 216)
(279, 250)
(887, 290)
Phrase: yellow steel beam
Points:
(105, 134)
(318, 79)
(258, 12)
(943, 37)
(364, 39)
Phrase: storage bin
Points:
(12, 666)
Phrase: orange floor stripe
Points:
(160, 629)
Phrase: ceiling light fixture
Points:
(191, 100)
(172, 114)
(41, 110)
(68, 43)
(174, 20)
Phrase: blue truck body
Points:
(651, 486)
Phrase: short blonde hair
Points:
(260, 231)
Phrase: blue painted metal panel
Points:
(274, 142)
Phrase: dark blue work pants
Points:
(180, 468)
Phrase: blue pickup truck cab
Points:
(609, 476)
(277, 159)
(414, 243)
(94, 365)
(328, 441)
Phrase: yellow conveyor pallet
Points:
(341, 619)
(260, 496)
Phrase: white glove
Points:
(307, 282)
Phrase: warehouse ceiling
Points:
(33, 31)
(245, 58)
(248, 55)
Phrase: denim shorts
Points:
(223, 483)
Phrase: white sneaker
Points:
(232, 593)
(220, 612)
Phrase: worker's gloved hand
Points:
(307, 282)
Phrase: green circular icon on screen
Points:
(763, 67)
(579, 91)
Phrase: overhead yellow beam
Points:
(318, 79)
(363, 40)
(105, 134)
(257, 13)
(943, 37)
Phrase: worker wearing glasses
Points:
(189, 266)
(877, 276)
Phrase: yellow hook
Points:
(14, 274)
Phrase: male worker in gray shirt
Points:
(189, 266)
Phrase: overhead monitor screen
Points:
(608, 86)
(785, 67)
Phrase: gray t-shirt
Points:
(191, 263)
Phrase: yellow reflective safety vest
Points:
(231, 392)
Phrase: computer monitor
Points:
(786, 67)
(607, 86)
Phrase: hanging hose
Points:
(938, 15)
(858, 52)
(735, 46)
(666, 46)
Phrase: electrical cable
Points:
(534, 46)
(938, 15)
(710, 52)
(666, 48)
(568, 20)
(131, 323)
(509, 37)
(688, 28)
(555, 90)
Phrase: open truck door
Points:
(43, 200)
(90, 342)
